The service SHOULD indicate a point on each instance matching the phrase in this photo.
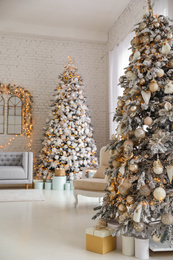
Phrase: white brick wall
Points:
(35, 64)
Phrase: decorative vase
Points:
(128, 245)
(48, 185)
(38, 184)
(141, 248)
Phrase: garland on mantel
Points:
(27, 100)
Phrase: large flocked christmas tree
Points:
(139, 193)
(68, 141)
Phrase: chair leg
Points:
(27, 186)
(76, 199)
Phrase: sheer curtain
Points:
(119, 59)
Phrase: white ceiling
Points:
(78, 19)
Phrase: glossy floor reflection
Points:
(51, 230)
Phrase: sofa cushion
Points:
(12, 173)
(93, 184)
(100, 172)
(11, 159)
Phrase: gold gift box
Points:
(60, 172)
(100, 241)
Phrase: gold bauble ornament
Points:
(139, 227)
(128, 142)
(145, 191)
(167, 219)
(130, 199)
(157, 167)
(160, 73)
(116, 164)
(156, 238)
(139, 133)
(122, 207)
(133, 108)
(148, 121)
(142, 26)
(130, 75)
(153, 86)
(159, 193)
(133, 167)
(135, 41)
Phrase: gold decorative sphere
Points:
(148, 121)
(145, 190)
(139, 133)
(167, 219)
(160, 73)
(130, 199)
(153, 86)
(156, 238)
(122, 207)
(128, 142)
(139, 227)
(116, 163)
(133, 167)
(133, 108)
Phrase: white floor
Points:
(51, 230)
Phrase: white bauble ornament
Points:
(130, 75)
(68, 142)
(148, 121)
(160, 73)
(157, 167)
(121, 207)
(167, 219)
(56, 157)
(133, 167)
(159, 193)
(146, 96)
(136, 55)
(166, 48)
(169, 170)
(153, 86)
(157, 24)
(139, 133)
(156, 238)
(145, 39)
(133, 108)
(169, 88)
(54, 150)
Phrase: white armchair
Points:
(95, 186)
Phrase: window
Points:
(2, 110)
(14, 121)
